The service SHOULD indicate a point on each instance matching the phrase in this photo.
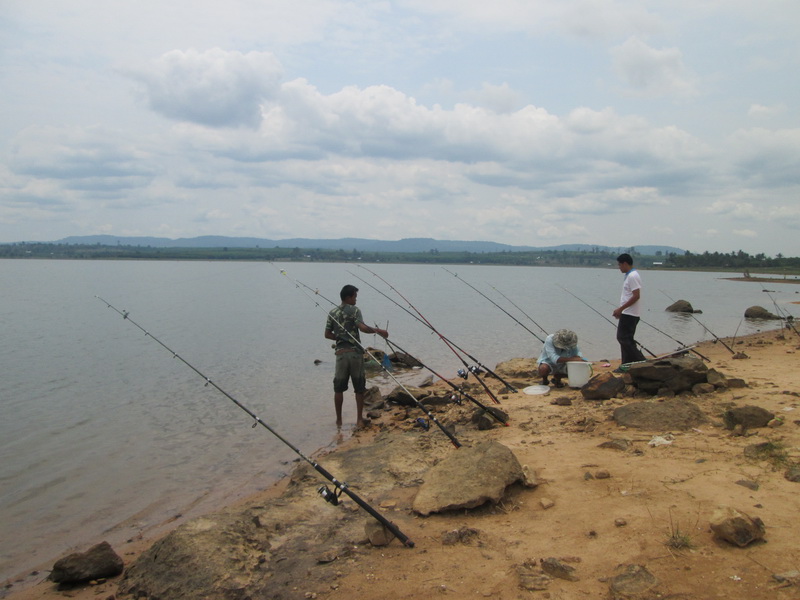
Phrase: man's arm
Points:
(633, 300)
(364, 328)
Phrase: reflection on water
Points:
(104, 433)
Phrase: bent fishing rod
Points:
(395, 347)
(685, 346)
(703, 326)
(520, 310)
(614, 325)
(419, 405)
(475, 370)
(517, 321)
(467, 369)
(329, 496)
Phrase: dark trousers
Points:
(626, 329)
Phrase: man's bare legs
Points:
(544, 373)
(338, 402)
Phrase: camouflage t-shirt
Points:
(343, 322)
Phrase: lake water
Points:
(105, 435)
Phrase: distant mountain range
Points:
(348, 244)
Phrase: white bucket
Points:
(578, 373)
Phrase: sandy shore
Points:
(594, 524)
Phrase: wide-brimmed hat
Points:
(564, 339)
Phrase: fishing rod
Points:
(685, 346)
(462, 373)
(703, 326)
(614, 325)
(784, 314)
(460, 391)
(493, 302)
(298, 285)
(467, 369)
(329, 496)
(395, 346)
(519, 309)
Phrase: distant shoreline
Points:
(764, 279)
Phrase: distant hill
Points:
(348, 244)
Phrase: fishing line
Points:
(300, 287)
(703, 326)
(462, 372)
(684, 346)
(467, 369)
(519, 309)
(495, 303)
(614, 325)
(324, 491)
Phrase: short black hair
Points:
(347, 291)
(625, 258)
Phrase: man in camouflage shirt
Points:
(343, 325)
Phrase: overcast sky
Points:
(535, 122)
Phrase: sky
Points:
(526, 122)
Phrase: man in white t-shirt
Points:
(629, 310)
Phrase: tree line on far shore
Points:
(738, 261)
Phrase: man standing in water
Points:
(629, 310)
(343, 324)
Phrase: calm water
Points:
(103, 434)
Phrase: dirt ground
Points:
(595, 509)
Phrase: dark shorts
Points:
(350, 366)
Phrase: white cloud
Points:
(216, 87)
(651, 71)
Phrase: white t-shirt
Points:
(632, 282)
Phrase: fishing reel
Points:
(462, 373)
(475, 370)
(420, 422)
(456, 398)
(328, 495)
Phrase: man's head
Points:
(564, 339)
(625, 262)
(348, 294)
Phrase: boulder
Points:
(98, 562)
(793, 473)
(680, 306)
(468, 478)
(748, 417)
(678, 374)
(399, 396)
(736, 527)
(673, 414)
(759, 312)
(521, 368)
(603, 387)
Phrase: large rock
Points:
(520, 368)
(759, 312)
(736, 527)
(98, 562)
(678, 374)
(399, 396)
(634, 582)
(603, 387)
(468, 478)
(673, 414)
(680, 306)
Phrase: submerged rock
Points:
(98, 562)
(759, 312)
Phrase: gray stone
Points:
(759, 312)
(98, 562)
(747, 416)
(399, 396)
(680, 306)
(468, 478)
(632, 582)
(678, 374)
(557, 568)
(668, 415)
(603, 387)
(717, 379)
(793, 473)
(736, 527)
(698, 389)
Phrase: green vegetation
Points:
(737, 262)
